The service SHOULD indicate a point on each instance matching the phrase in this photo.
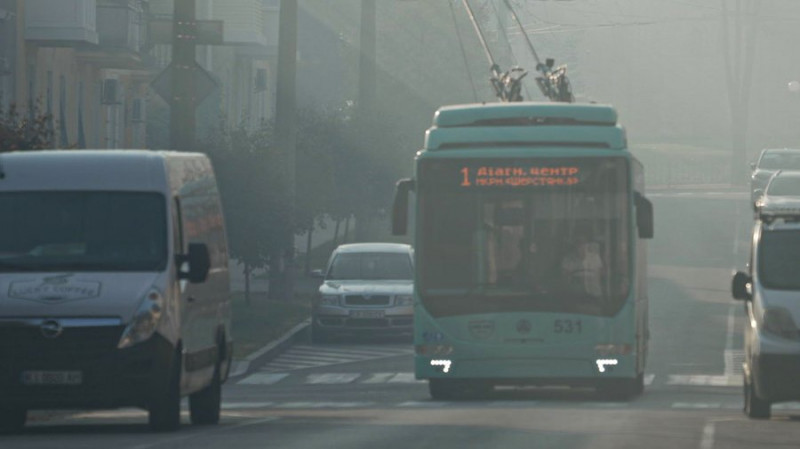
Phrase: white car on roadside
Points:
(367, 291)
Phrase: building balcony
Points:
(60, 23)
(121, 24)
(244, 21)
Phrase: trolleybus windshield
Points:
(524, 235)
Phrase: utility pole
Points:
(367, 91)
(182, 110)
(285, 129)
(739, 54)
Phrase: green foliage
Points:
(18, 132)
(341, 170)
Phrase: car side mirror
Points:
(644, 216)
(199, 263)
(400, 206)
(317, 274)
(741, 286)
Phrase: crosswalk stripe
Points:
(378, 378)
(263, 379)
(312, 358)
(405, 378)
(332, 378)
(705, 380)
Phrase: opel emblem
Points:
(51, 329)
(524, 327)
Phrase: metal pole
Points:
(182, 110)
(285, 129)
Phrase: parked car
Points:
(367, 291)
(782, 191)
(769, 161)
(769, 289)
(113, 283)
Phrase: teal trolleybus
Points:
(531, 265)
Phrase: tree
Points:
(18, 132)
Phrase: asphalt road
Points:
(363, 395)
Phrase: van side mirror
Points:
(752, 166)
(199, 263)
(741, 287)
(400, 206)
(644, 216)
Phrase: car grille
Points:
(367, 300)
(27, 344)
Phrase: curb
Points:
(270, 350)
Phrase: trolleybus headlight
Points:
(145, 321)
(329, 300)
(444, 365)
(403, 300)
(778, 321)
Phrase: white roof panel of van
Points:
(131, 170)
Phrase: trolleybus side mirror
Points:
(400, 206)
(644, 216)
(740, 287)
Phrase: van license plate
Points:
(366, 314)
(52, 377)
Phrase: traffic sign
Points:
(204, 84)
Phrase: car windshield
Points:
(82, 231)
(780, 161)
(784, 186)
(371, 266)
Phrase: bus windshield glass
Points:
(545, 235)
(83, 231)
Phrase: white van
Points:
(770, 289)
(113, 284)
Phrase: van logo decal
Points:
(54, 289)
(51, 329)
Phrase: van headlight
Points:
(403, 300)
(778, 321)
(145, 321)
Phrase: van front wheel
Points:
(164, 410)
(204, 406)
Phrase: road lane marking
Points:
(405, 378)
(332, 378)
(378, 378)
(707, 442)
(305, 356)
(300, 404)
(648, 379)
(704, 380)
(696, 405)
(263, 379)
(246, 405)
(206, 431)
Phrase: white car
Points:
(367, 290)
(770, 289)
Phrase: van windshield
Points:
(82, 231)
(778, 263)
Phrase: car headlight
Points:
(329, 300)
(145, 321)
(404, 300)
